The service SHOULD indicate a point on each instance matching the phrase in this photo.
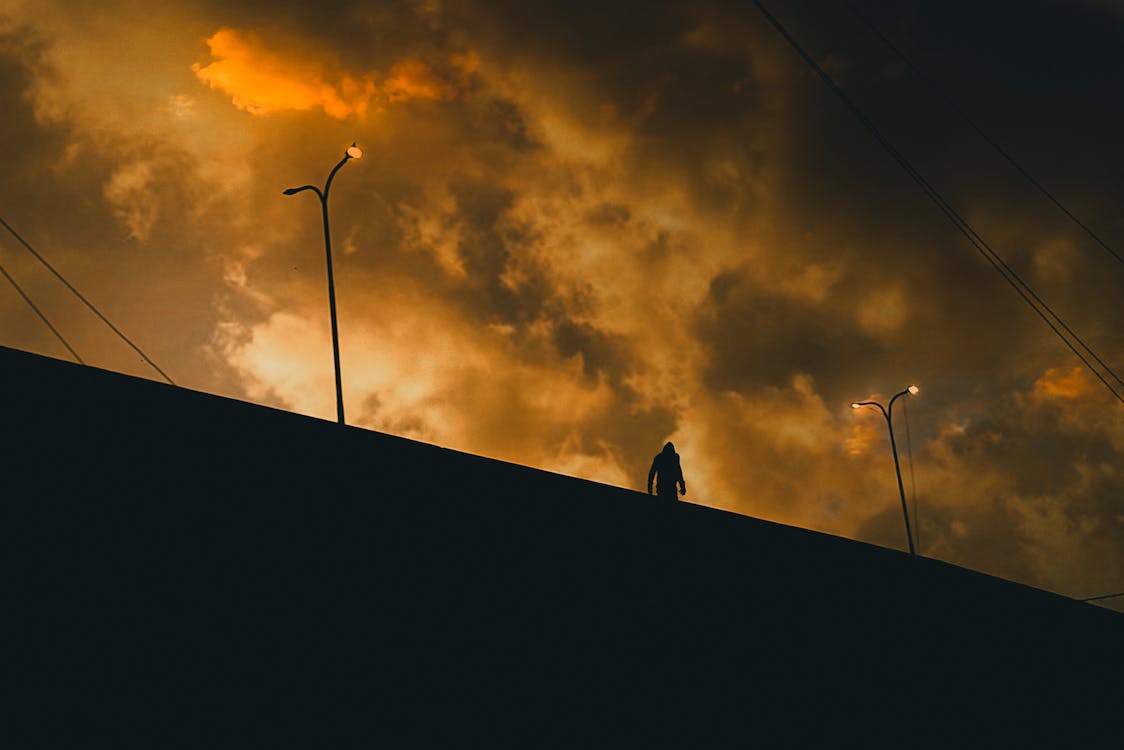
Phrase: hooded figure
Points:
(667, 473)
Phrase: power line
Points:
(1098, 598)
(989, 254)
(1048, 309)
(982, 134)
(39, 312)
(85, 301)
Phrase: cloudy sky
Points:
(579, 230)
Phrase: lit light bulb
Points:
(855, 404)
(354, 151)
(914, 389)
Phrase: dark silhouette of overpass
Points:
(185, 570)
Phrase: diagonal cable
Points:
(957, 220)
(85, 301)
(39, 312)
(982, 134)
(1014, 274)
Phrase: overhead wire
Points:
(981, 133)
(39, 312)
(85, 301)
(1099, 598)
(961, 224)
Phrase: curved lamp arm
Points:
(857, 404)
(912, 390)
(294, 191)
(353, 152)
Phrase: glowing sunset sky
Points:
(581, 230)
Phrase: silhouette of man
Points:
(667, 473)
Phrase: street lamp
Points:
(888, 414)
(353, 152)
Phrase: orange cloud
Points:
(1058, 382)
(262, 81)
(392, 385)
(413, 79)
(863, 435)
(134, 203)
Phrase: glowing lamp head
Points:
(855, 404)
(354, 151)
(914, 390)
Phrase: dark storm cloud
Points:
(587, 34)
(35, 145)
(484, 250)
(838, 186)
(1040, 90)
(600, 351)
(636, 58)
(759, 338)
(684, 102)
(1008, 440)
(21, 61)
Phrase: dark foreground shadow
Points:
(183, 570)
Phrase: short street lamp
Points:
(353, 152)
(888, 413)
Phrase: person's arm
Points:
(651, 475)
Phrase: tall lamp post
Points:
(888, 413)
(352, 152)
